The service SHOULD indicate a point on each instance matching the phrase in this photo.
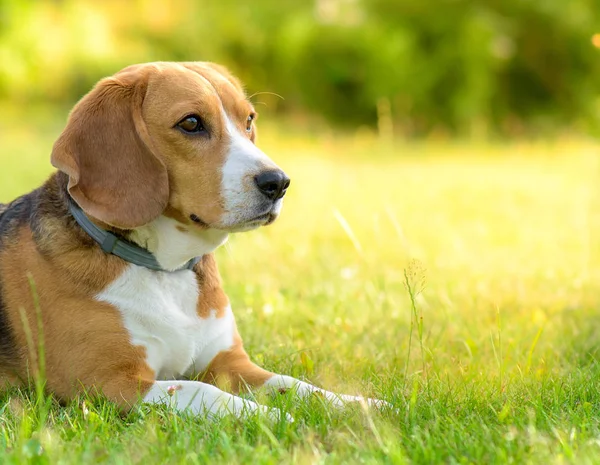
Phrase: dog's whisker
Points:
(266, 93)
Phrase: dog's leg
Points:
(204, 399)
(234, 370)
(283, 383)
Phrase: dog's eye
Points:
(191, 124)
(249, 123)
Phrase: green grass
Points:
(491, 254)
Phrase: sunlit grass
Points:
(499, 246)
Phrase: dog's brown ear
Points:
(114, 174)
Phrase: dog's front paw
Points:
(377, 403)
(239, 407)
(282, 384)
(341, 400)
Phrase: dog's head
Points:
(174, 139)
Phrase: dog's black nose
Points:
(273, 183)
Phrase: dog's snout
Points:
(273, 184)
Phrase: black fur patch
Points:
(15, 214)
(11, 216)
(8, 350)
(6, 339)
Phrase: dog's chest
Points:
(159, 311)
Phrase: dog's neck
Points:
(174, 244)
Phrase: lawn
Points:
(458, 281)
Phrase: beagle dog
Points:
(109, 266)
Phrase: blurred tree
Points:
(462, 66)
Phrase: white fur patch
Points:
(172, 247)
(244, 161)
(159, 312)
(203, 399)
(302, 389)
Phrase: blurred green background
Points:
(409, 67)
(442, 144)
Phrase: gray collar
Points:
(111, 244)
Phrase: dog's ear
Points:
(115, 175)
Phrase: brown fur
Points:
(129, 117)
(233, 370)
(212, 295)
(170, 212)
(124, 165)
(114, 173)
(82, 337)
